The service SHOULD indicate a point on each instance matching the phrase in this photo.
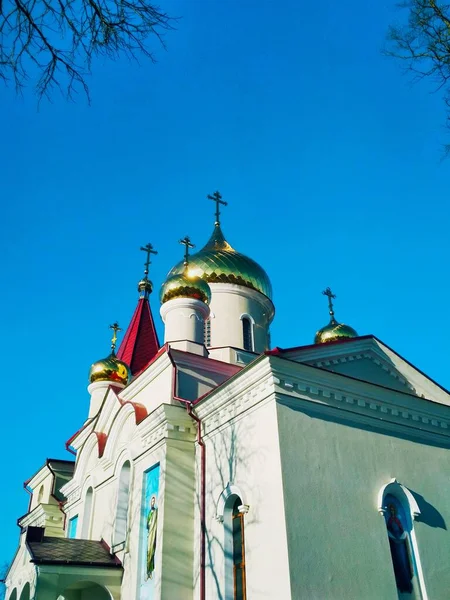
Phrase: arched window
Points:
(41, 494)
(13, 595)
(87, 514)
(25, 595)
(399, 509)
(123, 499)
(237, 518)
(247, 333)
(232, 513)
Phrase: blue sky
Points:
(328, 157)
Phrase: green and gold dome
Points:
(185, 285)
(333, 331)
(110, 369)
(218, 262)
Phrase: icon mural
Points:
(397, 528)
(149, 534)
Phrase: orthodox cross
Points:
(186, 241)
(330, 296)
(149, 250)
(217, 198)
(115, 327)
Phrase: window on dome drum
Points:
(123, 500)
(247, 334)
(87, 514)
(207, 333)
(238, 552)
(401, 544)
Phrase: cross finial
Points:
(186, 241)
(217, 198)
(149, 250)
(330, 296)
(115, 327)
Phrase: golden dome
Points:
(110, 369)
(145, 285)
(334, 331)
(218, 262)
(185, 285)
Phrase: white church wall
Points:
(333, 469)
(244, 452)
(229, 303)
(42, 489)
(21, 572)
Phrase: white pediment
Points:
(368, 359)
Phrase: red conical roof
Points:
(140, 342)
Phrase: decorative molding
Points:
(382, 363)
(395, 488)
(230, 490)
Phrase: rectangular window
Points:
(72, 531)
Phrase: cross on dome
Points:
(327, 292)
(217, 198)
(186, 241)
(148, 248)
(115, 327)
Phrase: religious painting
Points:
(149, 534)
(397, 529)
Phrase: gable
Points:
(369, 368)
(368, 359)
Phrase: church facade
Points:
(217, 467)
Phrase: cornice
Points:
(332, 389)
(373, 355)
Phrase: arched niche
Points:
(87, 590)
(25, 594)
(122, 507)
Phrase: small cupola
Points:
(333, 331)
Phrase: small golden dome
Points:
(110, 369)
(185, 285)
(145, 285)
(334, 331)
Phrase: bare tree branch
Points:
(53, 42)
(423, 44)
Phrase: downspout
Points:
(60, 502)
(201, 443)
(189, 407)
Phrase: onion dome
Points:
(185, 285)
(145, 287)
(333, 331)
(218, 262)
(110, 369)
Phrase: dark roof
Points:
(53, 550)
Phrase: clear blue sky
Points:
(328, 157)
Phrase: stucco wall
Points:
(332, 473)
(245, 453)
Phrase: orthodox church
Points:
(214, 466)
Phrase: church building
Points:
(216, 466)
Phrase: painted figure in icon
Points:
(398, 543)
(152, 522)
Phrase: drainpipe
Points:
(60, 502)
(201, 443)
